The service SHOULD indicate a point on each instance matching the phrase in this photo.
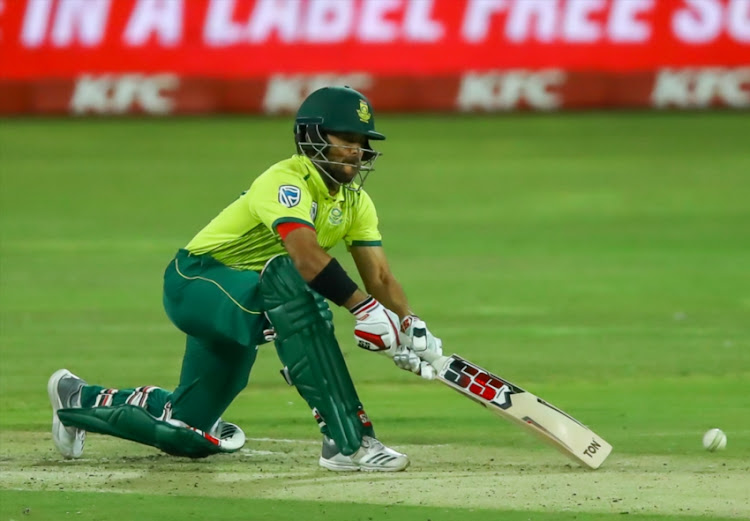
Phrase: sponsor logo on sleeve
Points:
(289, 195)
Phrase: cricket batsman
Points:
(259, 272)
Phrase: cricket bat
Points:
(537, 416)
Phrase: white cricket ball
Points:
(714, 439)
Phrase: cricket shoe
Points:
(64, 390)
(230, 436)
(372, 456)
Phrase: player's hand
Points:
(377, 327)
(418, 338)
(408, 360)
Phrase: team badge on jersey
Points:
(336, 216)
(289, 195)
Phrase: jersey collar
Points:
(314, 177)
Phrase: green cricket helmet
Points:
(333, 110)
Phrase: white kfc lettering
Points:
(418, 27)
(328, 21)
(160, 17)
(698, 22)
(509, 90)
(374, 26)
(699, 88)
(670, 88)
(476, 24)
(738, 19)
(81, 21)
(285, 93)
(90, 94)
(735, 87)
(280, 16)
(623, 25)
(110, 94)
(577, 25)
(219, 29)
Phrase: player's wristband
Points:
(333, 283)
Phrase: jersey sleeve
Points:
(364, 230)
(280, 197)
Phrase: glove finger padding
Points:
(408, 360)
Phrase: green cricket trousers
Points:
(220, 310)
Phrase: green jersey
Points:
(243, 235)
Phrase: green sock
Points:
(147, 397)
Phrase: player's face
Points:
(347, 148)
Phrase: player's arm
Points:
(378, 279)
(377, 328)
(364, 242)
(311, 261)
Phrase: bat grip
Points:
(439, 362)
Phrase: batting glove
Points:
(408, 360)
(377, 327)
(418, 338)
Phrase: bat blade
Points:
(534, 414)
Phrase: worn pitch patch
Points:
(441, 476)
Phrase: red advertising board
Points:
(163, 56)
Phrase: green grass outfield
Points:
(601, 261)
